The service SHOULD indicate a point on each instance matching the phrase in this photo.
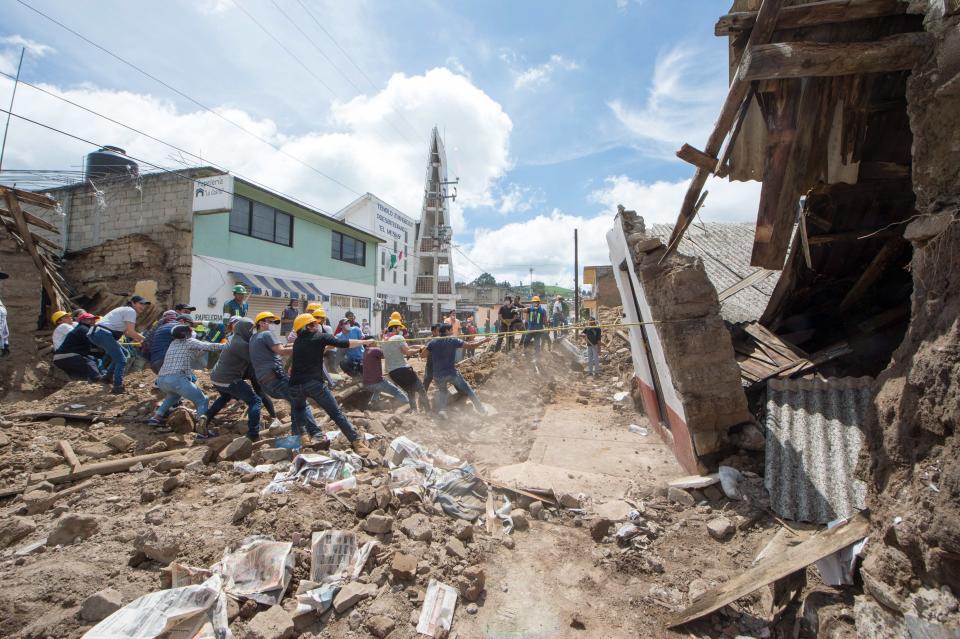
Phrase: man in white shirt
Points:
(64, 324)
(120, 322)
(4, 329)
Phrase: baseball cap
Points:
(233, 319)
(183, 317)
(137, 299)
(86, 316)
(184, 307)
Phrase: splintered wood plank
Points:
(890, 251)
(770, 569)
(813, 14)
(782, 60)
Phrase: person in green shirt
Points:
(236, 306)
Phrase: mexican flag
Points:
(395, 259)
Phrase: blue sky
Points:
(552, 112)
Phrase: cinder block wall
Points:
(161, 210)
(696, 344)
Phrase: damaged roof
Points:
(725, 250)
(814, 435)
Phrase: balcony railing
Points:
(425, 285)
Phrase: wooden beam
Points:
(883, 171)
(850, 236)
(30, 197)
(699, 159)
(757, 276)
(102, 468)
(69, 455)
(739, 90)
(13, 205)
(776, 567)
(33, 219)
(812, 14)
(890, 251)
(883, 319)
(783, 60)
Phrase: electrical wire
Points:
(206, 162)
(187, 97)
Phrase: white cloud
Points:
(357, 147)
(624, 5)
(660, 201)
(683, 100)
(517, 199)
(539, 75)
(214, 7)
(11, 47)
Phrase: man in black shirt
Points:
(308, 381)
(508, 316)
(592, 333)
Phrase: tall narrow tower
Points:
(435, 290)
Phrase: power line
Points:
(350, 59)
(165, 143)
(332, 64)
(187, 97)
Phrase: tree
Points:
(538, 287)
(504, 284)
(485, 279)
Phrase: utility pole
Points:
(531, 282)
(576, 278)
(16, 81)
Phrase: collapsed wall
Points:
(699, 368)
(20, 294)
(914, 466)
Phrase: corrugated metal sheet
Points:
(814, 435)
(725, 249)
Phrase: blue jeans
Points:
(352, 367)
(301, 417)
(118, 358)
(383, 386)
(242, 391)
(177, 386)
(593, 359)
(320, 393)
(462, 387)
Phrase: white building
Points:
(395, 260)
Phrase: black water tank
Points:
(109, 161)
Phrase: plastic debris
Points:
(643, 431)
(436, 616)
(729, 481)
(503, 514)
(619, 397)
(838, 569)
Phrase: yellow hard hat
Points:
(536, 298)
(319, 313)
(302, 320)
(56, 317)
(266, 315)
(394, 322)
(396, 316)
(313, 306)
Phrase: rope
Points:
(571, 327)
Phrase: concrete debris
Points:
(456, 549)
(520, 521)
(694, 481)
(472, 582)
(380, 626)
(352, 594)
(720, 528)
(100, 605)
(403, 567)
(237, 450)
(13, 529)
(272, 623)
(378, 523)
(72, 528)
(680, 496)
(247, 504)
(417, 527)
(120, 442)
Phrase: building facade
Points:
(395, 257)
(191, 235)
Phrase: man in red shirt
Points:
(373, 379)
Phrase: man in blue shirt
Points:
(536, 321)
(352, 363)
(441, 354)
(236, 306)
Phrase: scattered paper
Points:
(260, 569)
(438, 606)
(331, 552)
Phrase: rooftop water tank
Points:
(109, 161)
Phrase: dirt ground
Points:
(549, 427)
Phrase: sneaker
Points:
(316, 442)
(153, 421)
(254, 437)
(360, 447)
(118, 390)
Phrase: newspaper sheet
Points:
(331, 553)
(438, 606)
(260, 569)
(177, 613)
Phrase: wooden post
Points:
(69, 455)
(890, 251)
(739, 89)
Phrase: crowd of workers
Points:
(253, 363)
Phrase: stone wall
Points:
(696, 343)
(160, 210)
(913, 558)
